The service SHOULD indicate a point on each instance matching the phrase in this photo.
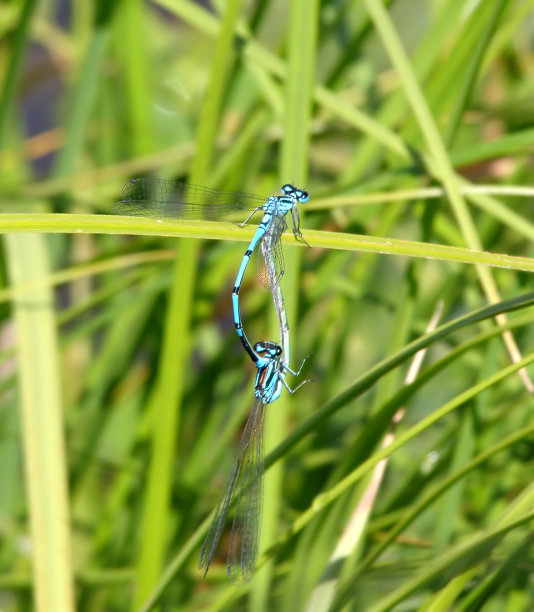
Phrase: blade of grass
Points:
(464, 447)
(514, 143)
(446, 87)
(107, 224)
(444, 600)
(176, 564)
(42, 420)
(164, 406)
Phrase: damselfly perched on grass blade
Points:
(158, 198)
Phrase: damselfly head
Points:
(268, 349)
(301, 195)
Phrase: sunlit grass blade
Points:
(224, 231)
(42, 420)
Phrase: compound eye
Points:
(278, 351)
(303, 196)
(259, 347)
(287, 189)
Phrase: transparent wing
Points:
(271, 246)
(159, 198)
(245, 534)
(246, 477)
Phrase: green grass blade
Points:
(42, 418)
(16, 223)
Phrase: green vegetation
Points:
(391, 483)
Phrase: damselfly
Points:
(245, 482)
(159, 198)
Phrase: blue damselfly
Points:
(158, 198)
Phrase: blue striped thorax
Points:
(268, 384)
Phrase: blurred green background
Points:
(124, 387)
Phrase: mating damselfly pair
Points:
(158, 198)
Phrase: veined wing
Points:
(271, 246)
(246, 480)
(160, 198)
(245, 534)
